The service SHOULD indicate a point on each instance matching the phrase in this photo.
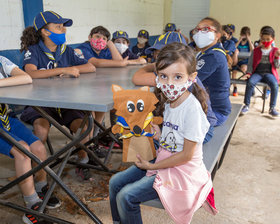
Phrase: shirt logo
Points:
(200, 64)
(27, 55)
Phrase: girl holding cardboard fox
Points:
(178, 175)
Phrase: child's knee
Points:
(20, 156)
(38, 149)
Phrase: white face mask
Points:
(121, 47)
(142, 40)
(172, 91)
(203, 39)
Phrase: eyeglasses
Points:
(205, 29)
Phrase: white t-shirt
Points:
(186, 121)
(6, 67)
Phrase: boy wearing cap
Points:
(121, 41)
(146, 75)
(232, 29)
(46, 55)
(142, 45)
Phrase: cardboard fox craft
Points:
(134, 110)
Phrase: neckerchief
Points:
(56, 56)
(4, 117)
(121, 121)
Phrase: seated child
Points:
(121, 41)
(99, 50)
(142, 45)
(229, 46)
(147, 74)
(244, 44)
(45, 56)
(11, 75)
(262, 67)
(232, 31)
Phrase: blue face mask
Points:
(57, 38)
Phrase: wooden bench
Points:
(215, 150)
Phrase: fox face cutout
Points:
(134, 110)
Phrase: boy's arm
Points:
(145, 76)
(276, 58)
(19, 77)
(114, 52)
(85, 68)
(251, 45)
(33, 71)
(138, 61)
(107, 63)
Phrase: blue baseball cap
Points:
(143, 33)
(231, 26)
(170, 27)
(120, 34)
(165, 39)
(43, 18)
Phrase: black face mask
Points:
(244, 39)
(223, 39)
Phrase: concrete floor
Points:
(246, 186)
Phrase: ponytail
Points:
(201, 96)
(29, 37)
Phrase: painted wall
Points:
(252, 13)
(11, 24)
(126, 15)
(187, 13)
(113, 14)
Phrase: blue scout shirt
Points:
(140, 52)
(213, 71)
(89, 53)
(130, 55)
(234, 40)
(229, 47)
(41, 56)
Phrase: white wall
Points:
(127, 15)
(187, 13)
(11, 24)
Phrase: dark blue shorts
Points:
(65, 117)
(19, 132)
(243, 62)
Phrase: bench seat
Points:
(214, 151)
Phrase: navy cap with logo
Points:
(170, 27)
(43, 18)
(165, 39)
(231, 26)
(143, 33)
(120, 34)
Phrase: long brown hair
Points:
(30, 37)
(170, 54)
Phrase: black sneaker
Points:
(53, 202)
(30, 219)
(99, 151)
(84, 173)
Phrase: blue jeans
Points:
(209, 134)
(221, 118)
(267, 78)
(127, 190)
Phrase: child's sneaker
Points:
(245, 109)
(267, 93)
(273, 112)
(30, 219)
(99, 151)
(235, 93)
(84, 173)
(53, 202)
